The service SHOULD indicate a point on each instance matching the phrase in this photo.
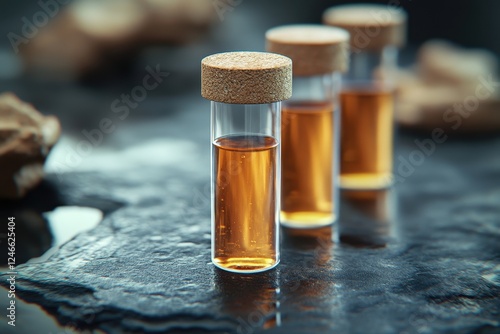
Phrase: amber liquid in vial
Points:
(307, 140)
(367, 138)
(245, 202)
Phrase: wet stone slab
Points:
(423, 256)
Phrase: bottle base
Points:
(364, 181)
(245, 265)
(306, 219)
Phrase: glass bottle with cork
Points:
(310, 122)
(246, 90)
(377, 31)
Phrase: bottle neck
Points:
(324, 87)
(373, 67)
(246, 120)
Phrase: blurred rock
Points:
(26, 138)
(451, 88)
(110, 24)
(60, 51)
(442, 62)
(176, 21)
(90, 35)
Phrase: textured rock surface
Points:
(423, 257)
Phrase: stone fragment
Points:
(26, 138)
(451, 88)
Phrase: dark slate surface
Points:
(421, 258)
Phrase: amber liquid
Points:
(245, 203)
(367, 138)
(307, 140)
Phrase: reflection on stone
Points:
(32, 318)
(304, 283)
(32, 232)
(33, 235)
(307, 281)
(318, 240)
(66, 222)
(251, 299)
(38, 236)
(367, 217)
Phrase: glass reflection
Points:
(254, 300)
(312, 249)
(318, 240)
(367, 217)
(33, 235)
(308, 278)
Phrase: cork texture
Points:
(314, 49)
(246, 77)
(372, 27)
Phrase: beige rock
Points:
(26, 138)
(428, 105)
(91, 34)
(446, 76)
(443, 62)
(176, 21)
(61, 51)
(110, 23)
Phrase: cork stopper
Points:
(314, 49)
(372, 27)
(246, 77)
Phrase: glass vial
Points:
(310, 122)
(246, 89)
(367, 100)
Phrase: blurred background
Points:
(87, 61)
(97, 74)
